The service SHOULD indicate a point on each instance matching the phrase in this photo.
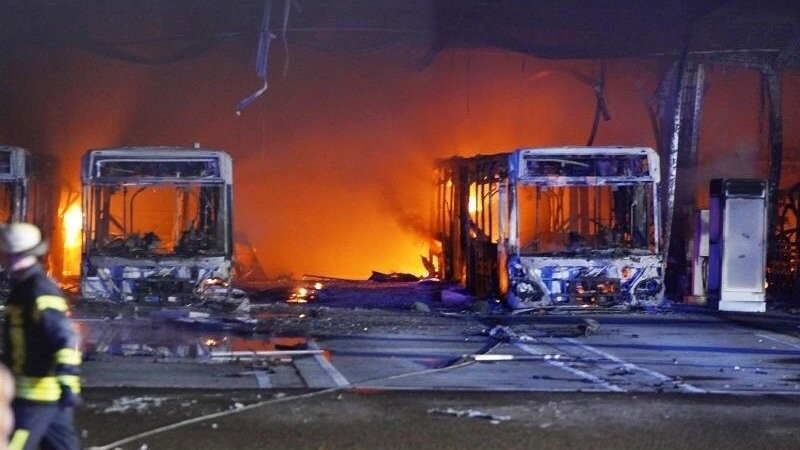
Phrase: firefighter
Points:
(40, 346)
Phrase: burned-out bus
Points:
(15, 165)
(157, 222)
(553, 226)
(27, 193)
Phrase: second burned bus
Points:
(553, 226)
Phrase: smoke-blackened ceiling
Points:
(160, 32)
(333, 161)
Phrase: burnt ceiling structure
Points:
(154, 31)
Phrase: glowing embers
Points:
(596, 291)
(304, 294)
(213, 342)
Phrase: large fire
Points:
(332, 164)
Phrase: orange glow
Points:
(473, 204)
(333, 178)
(300, 296)
(72, 225)
(271, 344)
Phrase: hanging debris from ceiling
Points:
(262, 55)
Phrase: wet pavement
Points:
(450, 348)
(347, 359)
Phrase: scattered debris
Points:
(620, 371)
(304, 294)
(503, 334)
(137, 404)
(420, 306)
(392, 277)
(589, 327)
(469, 413)
(430, 267)
(219, 295)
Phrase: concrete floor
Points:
(393, 374)
(364, 419)
(632, 352)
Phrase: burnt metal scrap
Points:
(469, 413)
(392, 277)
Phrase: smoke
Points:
(333, 164)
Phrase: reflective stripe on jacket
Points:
(40, 345)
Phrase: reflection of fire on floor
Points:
(275, 349)
(171, 341)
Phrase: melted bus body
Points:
(551, 226)
(157, 222)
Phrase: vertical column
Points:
(681, 117)
(771, 79)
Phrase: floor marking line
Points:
(262, 378)
(779, 340)
(326, 365)
(631, 366)
(585, 375)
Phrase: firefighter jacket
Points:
(41, 347)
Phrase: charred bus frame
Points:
(157, 222)
(26, 192)
(548, 226)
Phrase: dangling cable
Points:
(600, 108)
(262, 57)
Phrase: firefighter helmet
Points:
(22, 239)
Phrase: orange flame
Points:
(72, 225)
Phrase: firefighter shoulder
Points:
(41, 347)
(43, 353)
